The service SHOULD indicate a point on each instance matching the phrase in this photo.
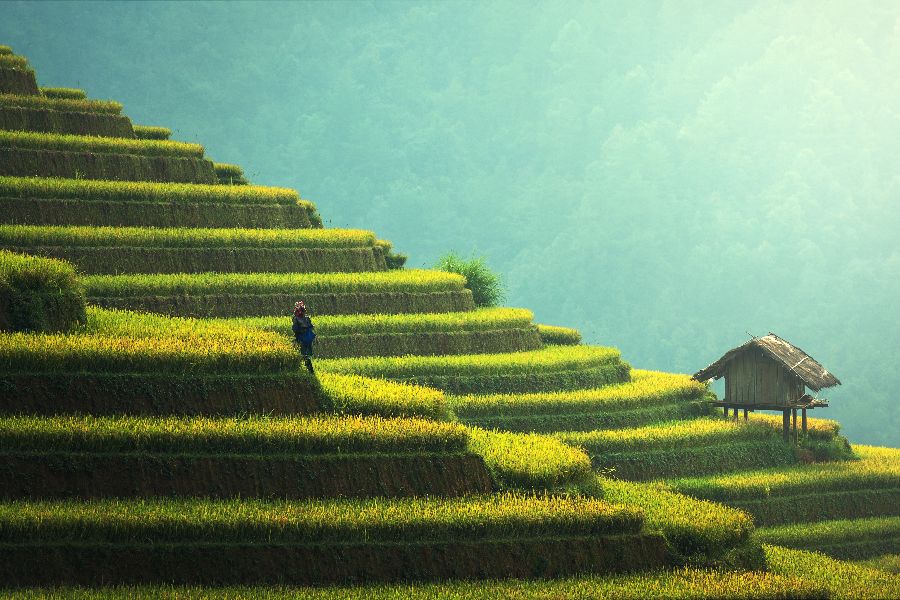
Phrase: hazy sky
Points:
(663, 175)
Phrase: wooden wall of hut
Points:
(754, 378)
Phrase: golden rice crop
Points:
(145, 191)
(89, 143)
(683, 582)
(151, 132)
(529, 460)
(63, 92)
(483, 319)
(816, 428)
(242, 350)
(12, 61)
(646, 388)
(247, 435)
(673, 435)
(694, 527)
(554, 335)
(353, 394)
(60, 104)
(321, 521)
(553, 358)
(271, 283)
(151, 237)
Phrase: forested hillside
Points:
(664, 176)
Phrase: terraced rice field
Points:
(682, 448)
(313, 541)
(482, 331)
(112, 250)
(849, 539)
(55, 201)
(868, 487)
(551, 368)
(237, 457)
(254, 294)
(649, 397)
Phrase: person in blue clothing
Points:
(304, 333)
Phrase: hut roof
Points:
(814, 375)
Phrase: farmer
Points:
(304, 335)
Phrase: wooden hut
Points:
(769, 373)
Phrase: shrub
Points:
(487, 287)
(38, 294)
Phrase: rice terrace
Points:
(161, 436)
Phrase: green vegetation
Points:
(38, 294)
(885, 562)
(150, 132)
(840, 579)
(868, 487)
(148, 237)
(690, 583)
(530, 461)
(61, 104)
(4, 49)
(241, 352)
(250, 435)
(63, 93)
(877, 468)
(683, 448)
(311, 522)
(352, 394)
(141, 343)
(669, 436)
(698, 530)
(487, 288)
(844, 538)
(265, 283)
(103, 145)
(559, 336)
